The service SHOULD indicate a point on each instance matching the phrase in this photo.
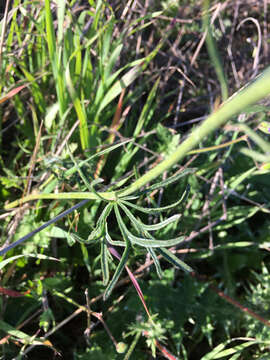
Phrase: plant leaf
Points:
(152, 227)
(121, 84)
(156, 261)
(159, 209)
(110, 241)
(104, 261)
(99, 230)
(145, 242)
(169, 256)
(118, 270)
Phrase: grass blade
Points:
(80, 110)
(51, 41)
(121, 84)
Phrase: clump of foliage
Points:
(98, 104)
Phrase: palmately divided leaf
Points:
(145, 242)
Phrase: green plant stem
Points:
(110, 196)
(236, 104)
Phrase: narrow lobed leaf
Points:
(112, 242)
(118, 270)
(99, 230)
(156, 261)
(104, 262)
(169, 256)
(159, 209)
(145, 242)
(152, 227)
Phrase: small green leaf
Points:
(104, 261)
(156, 261)
(99, 230)
(118, 270)
(169, 256)
(24, 338)
(95, 235)
(98, 154)
(146, 242)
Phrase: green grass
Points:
(91, 98)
